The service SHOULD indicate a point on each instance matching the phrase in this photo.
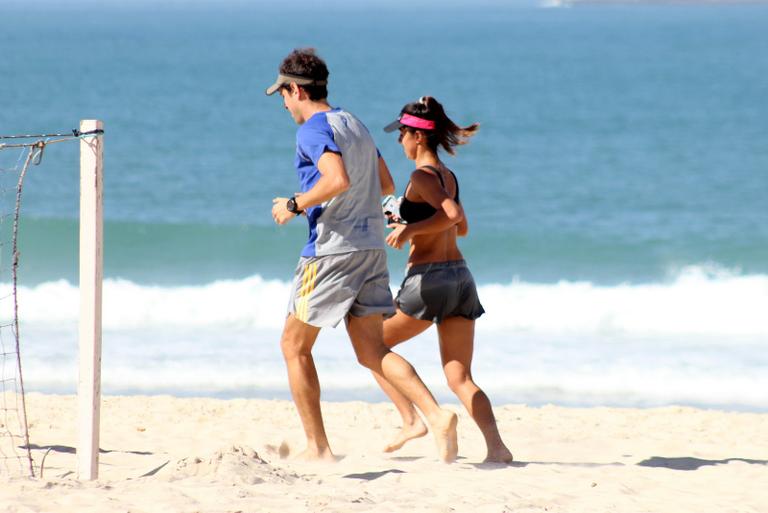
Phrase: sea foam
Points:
(698, 338)
(698, 300)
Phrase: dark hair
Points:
(304, 62)
(446, 133)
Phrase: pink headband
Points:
(414, 122)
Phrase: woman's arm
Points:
(426, 186)
(449, 213)
(462, 229)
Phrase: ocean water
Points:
(615, 192)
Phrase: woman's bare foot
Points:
(408, 432)
(443, 426)
(499, 455)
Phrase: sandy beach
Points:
(162, 453)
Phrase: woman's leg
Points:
(367, 336)
(456, 346)
(400, 328)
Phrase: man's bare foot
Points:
(283, 450)
(408, 432)
(499, 455)
(316, 454)
(443, 426)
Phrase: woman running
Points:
(438, 287)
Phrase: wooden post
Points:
(91, 272)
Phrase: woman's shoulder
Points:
(430, 170)
(425, 173)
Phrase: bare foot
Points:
(444, 429)
(499, 455)
(315, 454)
(407, 432)
(284, 450)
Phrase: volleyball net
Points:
(19, 156)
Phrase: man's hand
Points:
(296, 195)
(398, 236)
(280, 212)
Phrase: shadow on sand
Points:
(682, 463)
(687, 463)
(71, 450)
(370, 476)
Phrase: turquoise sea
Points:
(616, 191)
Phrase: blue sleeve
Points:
(315, 139)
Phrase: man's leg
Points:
(367, 336)
(400, 328)
(296, 343)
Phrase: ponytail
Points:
(446, 133)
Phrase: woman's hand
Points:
(398, 236)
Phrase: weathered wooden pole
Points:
(91, 273)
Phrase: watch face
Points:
(291, 205)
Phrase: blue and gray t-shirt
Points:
(352, 221)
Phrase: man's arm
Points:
(385, 178)
(334, 181)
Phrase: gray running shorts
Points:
(327, 288)
(433, 292)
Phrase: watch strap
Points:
(292, 206)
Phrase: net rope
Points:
(15, 453)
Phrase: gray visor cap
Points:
(284, 79)
(395, 125)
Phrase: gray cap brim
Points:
(285, 79)
(395, 125)
(272, 89)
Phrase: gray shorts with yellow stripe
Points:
(328, 288)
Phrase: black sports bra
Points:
(415, 211)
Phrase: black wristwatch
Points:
(291, 206)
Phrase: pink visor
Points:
(414, 122)
(410, 121)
